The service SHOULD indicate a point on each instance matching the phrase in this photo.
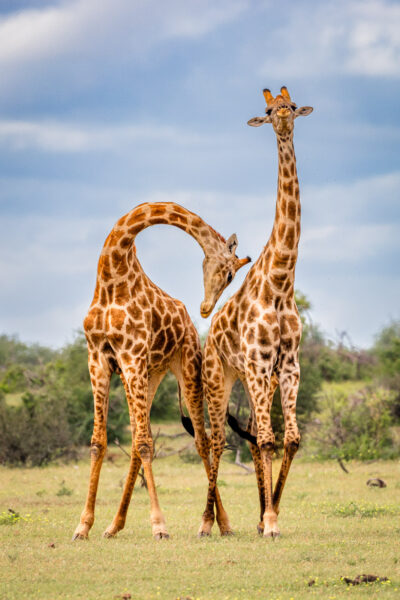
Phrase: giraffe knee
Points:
(145, 451)
(266, 440)
(203, 446)
(291, 444)
(97, 450)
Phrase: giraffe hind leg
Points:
(100, 375)
(119, 520)
(190, 383)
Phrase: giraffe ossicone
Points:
(255, 337)
(135, 329)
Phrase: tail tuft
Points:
(234, 425)
(186, 421)
(188, 425)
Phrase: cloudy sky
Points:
(105, 104)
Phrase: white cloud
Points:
(359, 37)
(58, 136)
(103, 28)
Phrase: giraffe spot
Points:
(265, 356)
(138, 348)
(143, 301)
(180, 218)
(117, 318)
(159, 341)
(150, 296)
(280, 260)
(135, 216)
(253, 355)
(263, 335)
(125, 242)
(94, 319)
(104, 268)
(121, 293)
(281, 231)
(289, 239)
(293, 322)
(287, 157)
(110, 293)
(270, 318)
(156, 320)
(287, 344)
(285, 172)
(119, 262)
(157, 211)
(288, 188)
(291, 210)
(103, 297)
(128, 344)
(126, 357)
(160, 305)
(88, 322)
(135, 312)
(254, 313)
(167, 320)
(157, 357)
(278, 280)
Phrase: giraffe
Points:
(135, 329)
(255, 336)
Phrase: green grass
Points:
(332, 525)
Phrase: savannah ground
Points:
(332, 525)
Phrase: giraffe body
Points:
(135, 329)
(255, 337)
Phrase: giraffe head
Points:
(281, 112)
(219, 269)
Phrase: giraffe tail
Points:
(234, 425)
(186, 421)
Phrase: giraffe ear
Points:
(303, 111)
(257, 121)
(232, 243)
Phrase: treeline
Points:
(348, 403)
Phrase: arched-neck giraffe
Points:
(135, 329)
(255, 337)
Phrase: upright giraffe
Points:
(255, 337)
(135, 329)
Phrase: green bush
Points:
(352, 423)
(34, 433)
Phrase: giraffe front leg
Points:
(255, 451)
(100, 378)
(217, 387)
(289, 383)
(261, 390)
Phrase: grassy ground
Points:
(332, 525)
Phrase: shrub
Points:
(352, 424)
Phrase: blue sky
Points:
(106, 104)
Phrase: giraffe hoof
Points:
(109, 534)
(227, 532)
(260, 529)
(79, 536)
(162, 535)
(203, 534)
(273, 533)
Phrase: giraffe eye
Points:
(268, 111)
(230, 277)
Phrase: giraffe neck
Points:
(119, 247)
(282, 247)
